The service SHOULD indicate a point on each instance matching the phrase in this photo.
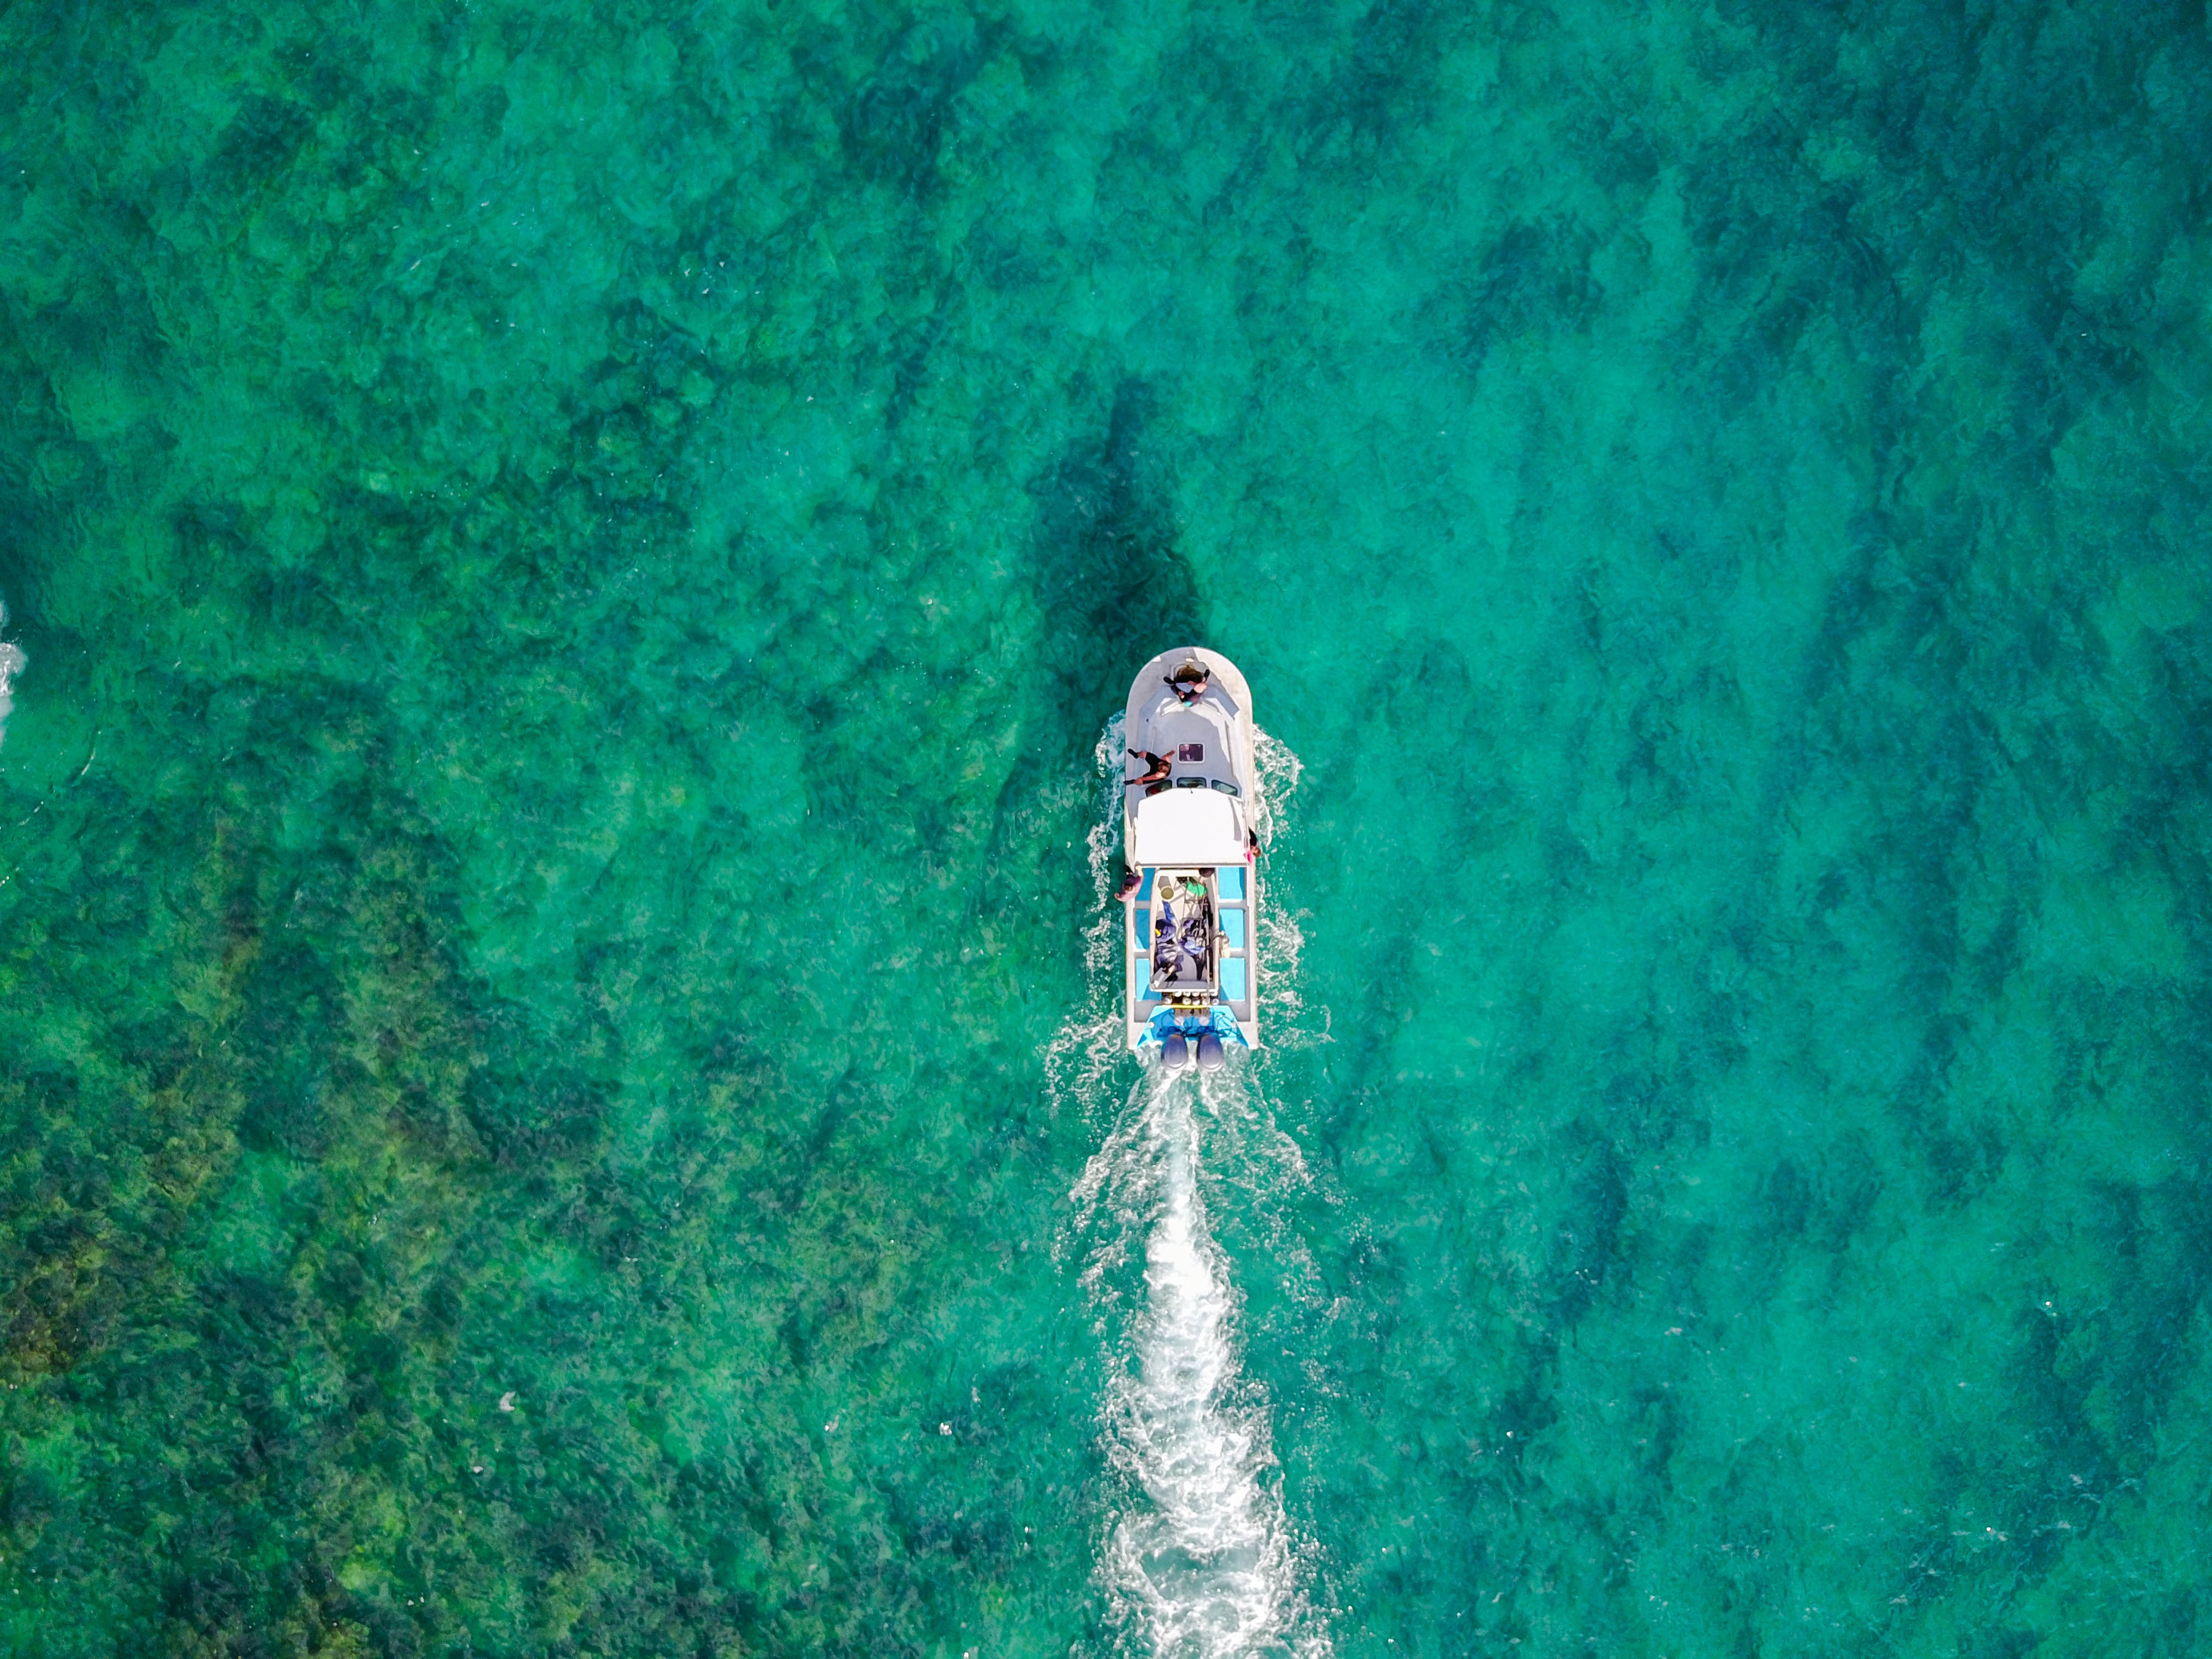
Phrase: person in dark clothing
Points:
(1157, 767)
(1189, 682)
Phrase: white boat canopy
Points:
(1189, 827)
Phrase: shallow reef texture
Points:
(570, 559)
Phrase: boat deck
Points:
(1232, 895)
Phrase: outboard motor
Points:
(1209, 1052)
(1175, 1053)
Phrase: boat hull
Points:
(1190, 936)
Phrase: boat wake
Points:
(11, 664)
(1199, 1561)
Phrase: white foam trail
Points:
(1282, 1008)
(1200, 1563)
(11, 664)
(1206, 1562)
(1279, 771)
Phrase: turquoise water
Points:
(568, 565)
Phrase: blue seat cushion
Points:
(1231, 880)
(1232, 979)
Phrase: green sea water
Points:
(566, 566)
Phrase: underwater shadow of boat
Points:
(1112, 585)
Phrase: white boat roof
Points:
(1189, 826)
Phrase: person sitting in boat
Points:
(1182, 928)
(1166, 957)
(1167, 933)
(1156, 767)
(1189, 689)
(1188, 683)
(1179, 953)
(1192, 945)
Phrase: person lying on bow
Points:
(1189, 682)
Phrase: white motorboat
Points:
(1190, 835)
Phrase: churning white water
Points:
(1205, 1560)
(1199, 1562)
(11, 664)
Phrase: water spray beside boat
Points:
(1190, 833)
